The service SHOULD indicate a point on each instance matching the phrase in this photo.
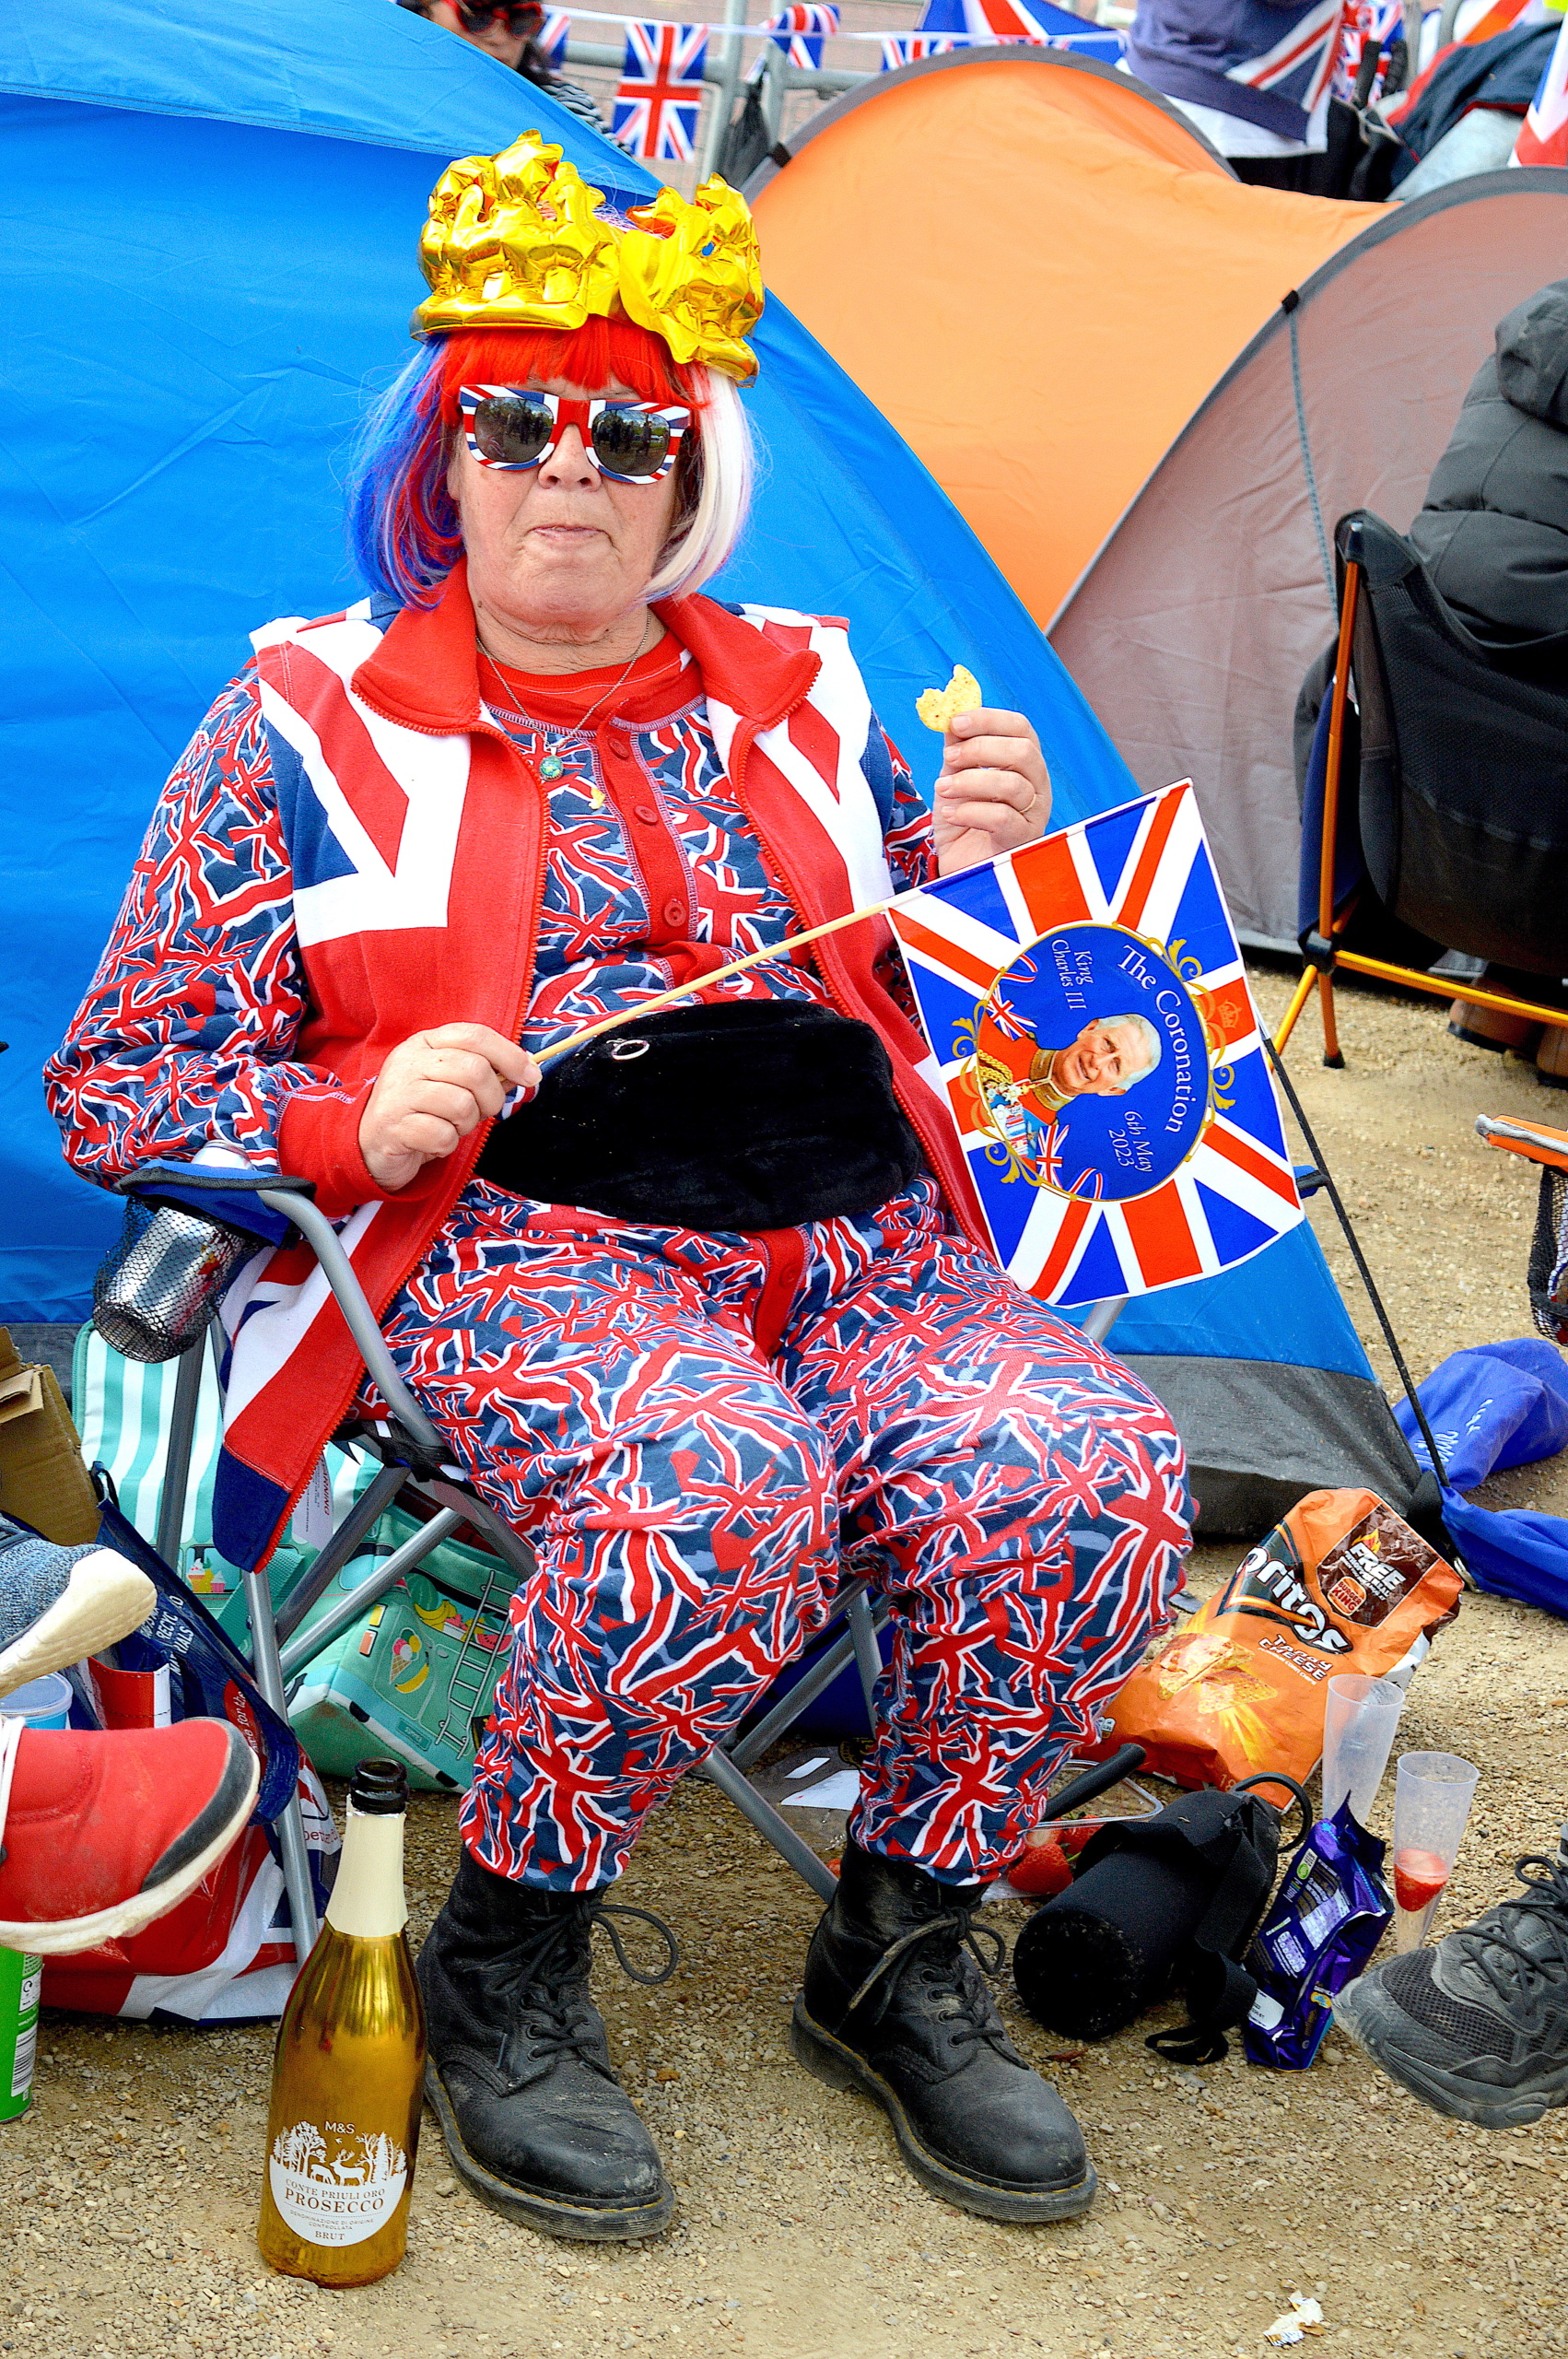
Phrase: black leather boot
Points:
(518, 2067)
(894, 2005)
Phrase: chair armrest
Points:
(231, 1194)
(273, 1205)
(429, 1451)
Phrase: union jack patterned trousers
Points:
(704, 1435)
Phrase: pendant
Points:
(551, 766)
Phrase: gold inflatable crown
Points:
(517, 240)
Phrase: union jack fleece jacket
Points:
(407, 836)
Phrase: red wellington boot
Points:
(101, 1830)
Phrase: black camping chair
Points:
(1454, 811)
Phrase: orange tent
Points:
(1036, 268)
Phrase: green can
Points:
(21, 1977)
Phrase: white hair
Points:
(1149, 1038)
(707, 532)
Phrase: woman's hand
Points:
(993, 791)
(434, 1089)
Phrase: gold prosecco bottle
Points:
(348, 2068)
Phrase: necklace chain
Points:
(576, 728)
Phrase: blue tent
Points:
(211, 218)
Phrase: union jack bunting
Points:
(800, 31)
(903, 48)
(1381, 22)
(1092, 1028)
(1543, 135)
(983, 21)
(661, 91)
(550, 41)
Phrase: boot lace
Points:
(559, 2018)
(1516, 1969)
(979, 2020)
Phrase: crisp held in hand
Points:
(936, 706)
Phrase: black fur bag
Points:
(1156, 1903)
(752, 1115)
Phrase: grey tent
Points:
(1192, 628)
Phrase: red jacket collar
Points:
(425, 674)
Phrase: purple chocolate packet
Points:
(1328, 1917)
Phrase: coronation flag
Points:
(661, 91)
(1094, 1035)
(1543, 135)
(550, 41)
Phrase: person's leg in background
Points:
(681, 1506)
(1024, 1500)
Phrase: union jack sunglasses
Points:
(511, 427)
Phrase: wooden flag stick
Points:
(720, 974)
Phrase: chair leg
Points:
(1332, 1056)
(511, 1548)
(868, 1654)
(361, 1519)
(1299, 998)
(176, 1484)
(290, 1823)
(359, 1599)
(791, 1847)
(1103, 1317)
(1322, 946)
(785, 1713)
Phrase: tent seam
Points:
(1291, 307)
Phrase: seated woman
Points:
(535, 779)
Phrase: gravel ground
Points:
(129, 2197)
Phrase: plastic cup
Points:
(1431, 1802)
(43, 1703)
(1360, 1717)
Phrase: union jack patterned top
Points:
(188, 1030)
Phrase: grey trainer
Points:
(1478, 2028)
(58, 1604)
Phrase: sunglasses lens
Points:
(630, 442)
(511, 430)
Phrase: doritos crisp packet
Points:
(1328, 1916)
(1343, 1584)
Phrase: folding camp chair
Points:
(414, 1465)
(1458, 817)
